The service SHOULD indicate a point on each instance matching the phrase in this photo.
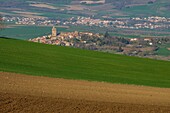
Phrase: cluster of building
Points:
(126, 23)
(98, 22)
(143, 47)
(152, 22)
(63, 38)
(153, 19)
(88, 21)
(69, 38)
(10, 19)
(35, 21)
(30, 21)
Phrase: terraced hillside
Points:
(63, 62)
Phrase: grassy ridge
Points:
(64, 62)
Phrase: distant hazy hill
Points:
(111, 8)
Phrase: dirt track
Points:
(22, 93)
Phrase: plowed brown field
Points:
(30, 94)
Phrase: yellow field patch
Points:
(43, 6)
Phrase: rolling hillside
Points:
(112, 8)
(63, 62)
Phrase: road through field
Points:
(23, 93)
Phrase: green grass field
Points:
(63, 62)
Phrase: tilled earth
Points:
(32, 94)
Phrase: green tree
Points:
(107, 35)
(120, 49)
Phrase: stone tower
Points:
(54, 32)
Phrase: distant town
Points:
(153, 22)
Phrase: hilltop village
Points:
(66, 38)
(142, 47)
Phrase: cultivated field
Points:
(41, 5)
(70, 63)
(26, 93)
(23, 93)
